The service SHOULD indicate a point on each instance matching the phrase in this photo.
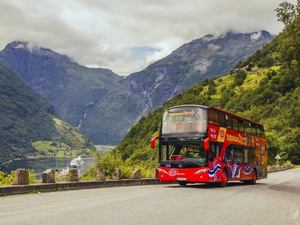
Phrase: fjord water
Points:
(41, 164)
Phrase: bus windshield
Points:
(187, 153)
(184, 120)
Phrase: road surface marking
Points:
(296, 215)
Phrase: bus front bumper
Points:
(189, 175)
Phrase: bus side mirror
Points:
(206, 144)
(153, 142)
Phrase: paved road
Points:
(274, 201)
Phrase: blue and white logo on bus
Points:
(213, 171)
(236, 171)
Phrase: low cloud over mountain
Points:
(109, 33)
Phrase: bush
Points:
(89, 175)
(32, 177)
(239, 77)
(7, 179)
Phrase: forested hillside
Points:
(265, 88)
(26, 118)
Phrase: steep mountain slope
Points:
(148, 89)
(103, 104)
(193, 62)
(265, 88)
(25, 117)
(71, 88)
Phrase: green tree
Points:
(287, 12)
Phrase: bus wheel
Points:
(182, 183)
(224, 179)
(253, 181)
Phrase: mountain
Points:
(265, 88)
(71, 88)
(195, 61)
(104, 105)
(25, 118)
(148, 89)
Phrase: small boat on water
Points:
(75, 163)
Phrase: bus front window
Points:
(188, 153)
(184, 121)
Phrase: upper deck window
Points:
(221, 119)
(235, 125)
(212, 117)
(185, 120)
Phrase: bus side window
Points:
(165, 152)
(221, 119)
(238, 155)
(250, 155)
(261, 131)
(253, 129)
(211, 153)
(212, 117)
(228, 121)
(247, 127)
(214, 151)
(229, 154)
(257, 130)
(235, 125)
(241, 126)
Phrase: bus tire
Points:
(224, 179)
(182, 183)
(254, 178)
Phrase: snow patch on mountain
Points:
(213, 47)
(255, 36)
(30, 46)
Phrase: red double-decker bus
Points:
(199, 144)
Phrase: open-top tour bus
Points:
(199, 144)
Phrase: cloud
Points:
(126, 36)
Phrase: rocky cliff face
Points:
(103, 104)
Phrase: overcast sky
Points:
(127, 35)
